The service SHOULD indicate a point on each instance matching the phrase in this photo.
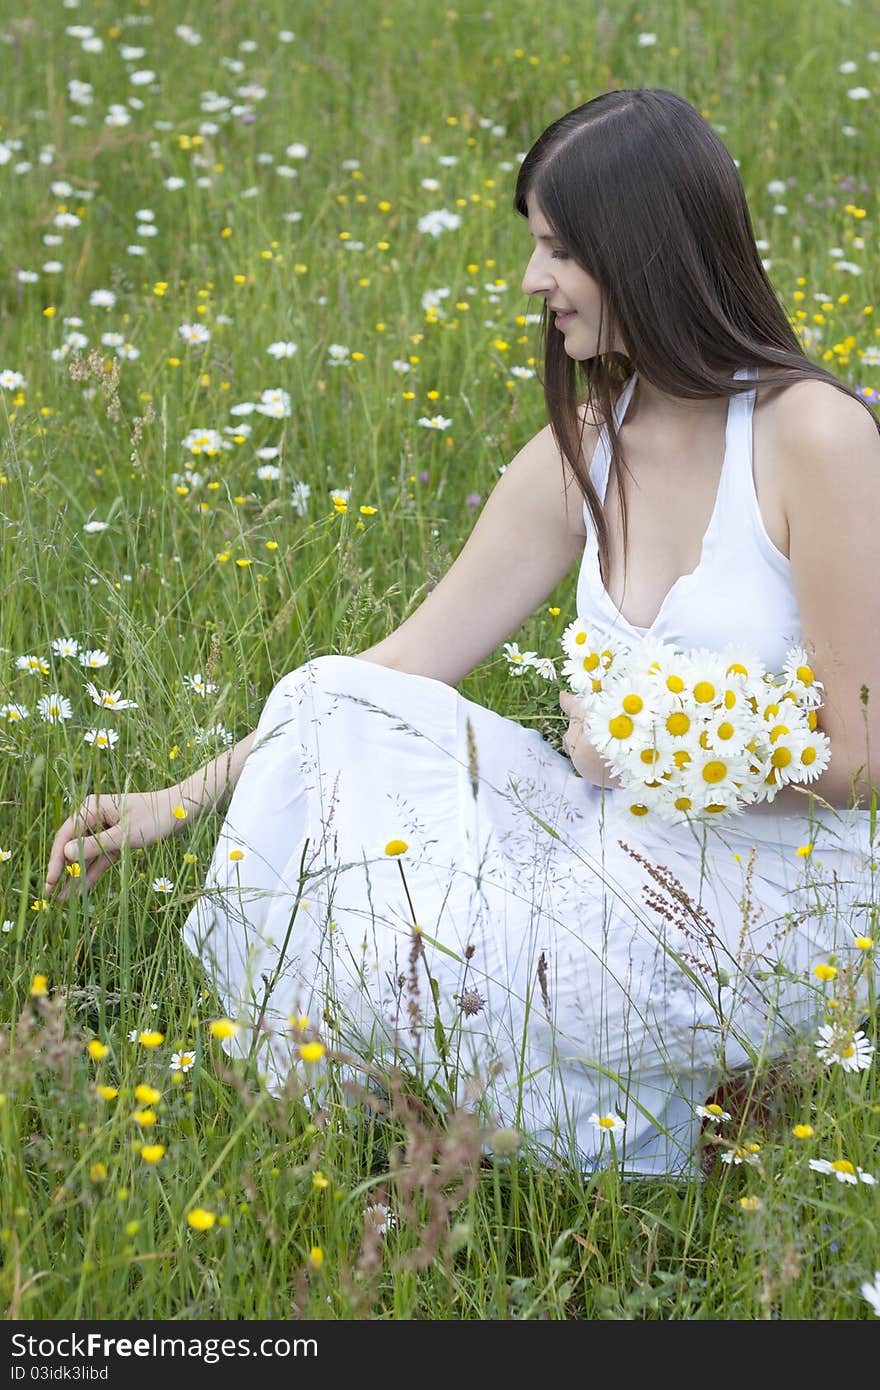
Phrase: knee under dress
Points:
(571, 961)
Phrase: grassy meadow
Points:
(263, 351)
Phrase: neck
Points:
(672, 412)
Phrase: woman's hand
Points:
(93, 835)
(584, 757)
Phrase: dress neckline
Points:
(622, 407)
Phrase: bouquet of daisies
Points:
(698, 732)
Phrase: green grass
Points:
(222, 575)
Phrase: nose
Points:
(537, 278)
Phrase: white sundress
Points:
(558, 977)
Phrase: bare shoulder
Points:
(815, 415)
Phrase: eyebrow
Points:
(544, 236)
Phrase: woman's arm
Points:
(829, 453)
(528, 536)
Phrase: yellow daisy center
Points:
(675, 684)
(638, 809)
(621, 726)
(842, 1165)
(633, 704)
(591, 662)
(714, 772)
(704, 692)
(678, 723)
(580, 639)
(778, 732)
(725, 730)
(808, 756)
(781, 757)
(805, 674)
(683, 803)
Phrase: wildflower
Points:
(803, 1131)
(178, 813)
(825, 972)
(316, 1257)
(198, 685)
(98, 1172)
(144, 1118)
(108, 699)
(65, 646)
(311, 1051)
(223, 1028)
(147, 1095)
(35, 664)
(434, 223)
(151, 1153)
(107, 1092)
(864, 943)
(318, 1179)
(194, 332)
(94, 659)
(97, 1050)
(751, 1203)
(378, 1217)
(395, 847)
(150, 1038)
(55, 708)
(93, 527)
(610, 1124)
(5, 855)
(101, 738)
(163, 885)
(843, 1170)
(435, 422)
(852, 1051)
(182, 1061)
(236, 855)
(200, 1219)
(712, 1112)
(471, 1002)
(282, 349)
(872, 1293)
(12, 713)
(741, 1153)
(39, 987)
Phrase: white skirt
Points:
(515, 952)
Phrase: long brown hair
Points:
(648, 200)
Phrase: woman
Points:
(434, 882)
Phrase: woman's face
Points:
(571, 293)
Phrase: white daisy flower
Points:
(517, 661)
(198, 685)
(14, 712)
(55, 708)
(194, 332)
(711, 1112)
(34, 664)
(162, 885)
(282, 349)
(843, 1170)
(101, 738)
(743, 1153)
(607, 1124)
(93, 659)
(850, 1051)
(182, 1061)
(434, 422)
(799, 678)
(108, 699)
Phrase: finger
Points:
(102, 845)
